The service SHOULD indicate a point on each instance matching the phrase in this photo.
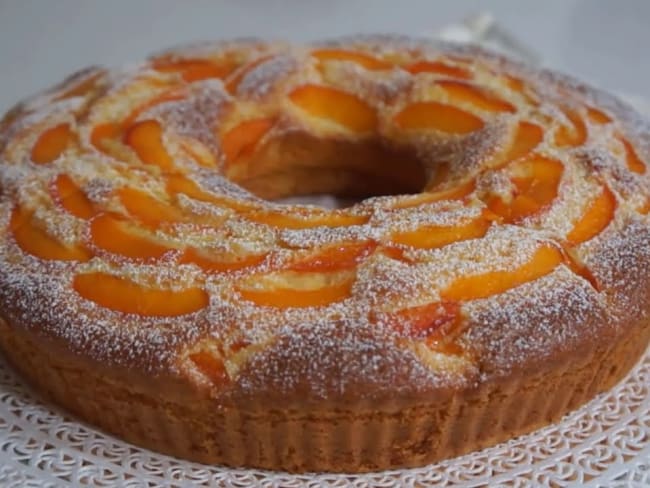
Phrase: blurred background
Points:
(41, 41)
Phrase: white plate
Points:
(605, 443)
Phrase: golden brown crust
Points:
(490, 286)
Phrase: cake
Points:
(492, 275)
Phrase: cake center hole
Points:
(330, 174)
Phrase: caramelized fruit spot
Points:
(335, 105)
(52, 143)
(434, 236)
(121, 237)
(365, 60)
(438, 116)
(35, 241)
(545, 260)
(145, 138)
(440, 68)
(211, 366)
(124, 295)
(240, 141)
(335, 258)
(72, 198)
(82, 88)
(220, 263)
(480, 98)
(298, 298)
(597, 217)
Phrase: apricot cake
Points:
(493, 275)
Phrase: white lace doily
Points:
(606, 443)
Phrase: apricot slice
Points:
(298, 298)
(598, 116)
(35, 241)
(437, 116)
(633, 161)
(72, 198)
(239, 75)
(177, 183)
(336, 106)
(219, 264)
(440, 68)
(52, 143)
(537, 180)
(425, 320)
(435, 236)
(210, 365)
(241, 140)
(118, 236)
(478, 97)
(365, 60)
(335, 258)
(193, 69)
(103, 132)
(527, 137)
(571, 136)
(123, 295)
(597, 217)
(454, 193)
(145, 138)
(308, 221)
(148, 209)
(82, 88)
(473, 287)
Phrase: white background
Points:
(41, 41)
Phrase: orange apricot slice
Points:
(241, 140)
(571, 136)
(123, 295)
(102, 133)
(597, 217)
(335, 258)
(148, 209)
(72, 198)
(598, 116)
(336, 106)
(193, 69)
(537, 180)
(473, 287)
(118, 236)
(219, 264)
(477, 97)
(454, 193)
(210, 365)
(425, 320)
(437, 116)
(633, 161)
(365, 60)
(52, 143)
(440, 68)
(298, 298)
(145, 138)
(527, 137)
(35, 241)
(287, 221)
(177, 183)
(239, 75)
(436, 236)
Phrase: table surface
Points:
(41, 41)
